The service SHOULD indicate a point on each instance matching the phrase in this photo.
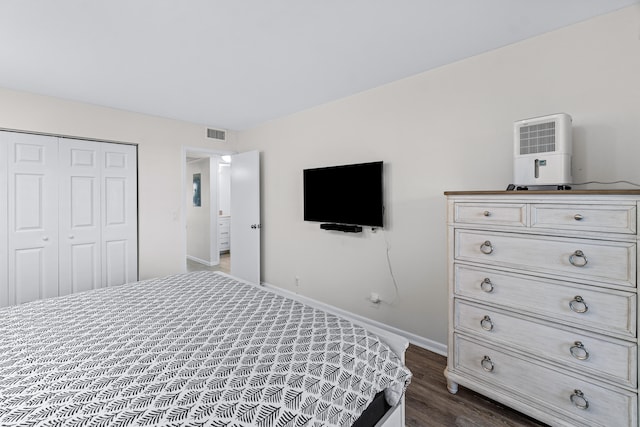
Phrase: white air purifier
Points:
(542, 151)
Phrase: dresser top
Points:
(544, 192)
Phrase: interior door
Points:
(245, 216)
(32, 216)
(80, 235)
(119, 205)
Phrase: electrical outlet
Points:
(297, 281)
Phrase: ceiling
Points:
(234, 64)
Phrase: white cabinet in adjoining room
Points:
(224, 233)
(71, 219)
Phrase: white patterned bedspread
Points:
(199, 349)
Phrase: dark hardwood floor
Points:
(429, 403)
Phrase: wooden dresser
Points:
(543, 302)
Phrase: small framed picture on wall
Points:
(197, 200)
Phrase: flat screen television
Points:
(348, 194)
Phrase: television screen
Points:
(349, 194)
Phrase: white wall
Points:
(160, 142)
(199, 217)
(447, 129)
(224, 189)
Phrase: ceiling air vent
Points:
(217, 134)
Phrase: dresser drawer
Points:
(614, 360)
(545, 388)
(601, 218)
(598, 309)
(602, 261)
(491, 214)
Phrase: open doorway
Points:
(244, 213)
(207, 210)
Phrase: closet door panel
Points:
(80, 232)
(119, 214)
(116, 254)
(32, 217)
(29, 283)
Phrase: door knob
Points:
(45, 238)
(71, 236)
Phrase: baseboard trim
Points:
(425, 343)
(200, 261)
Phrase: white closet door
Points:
(32, 217)
(80, 230)
(119, 214)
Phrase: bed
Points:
(195, 349)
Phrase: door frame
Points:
(4, 225)
(213, 192)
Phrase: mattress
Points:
(197, 349)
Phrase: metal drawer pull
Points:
(486, 285)
(578, 217)
(486, 247)
(486, 213)
(578, 399)
(573, 259)
(486, 323)
(578, 351)
(486, 364)
(578, 305)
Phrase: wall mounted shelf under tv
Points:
(341, 227)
